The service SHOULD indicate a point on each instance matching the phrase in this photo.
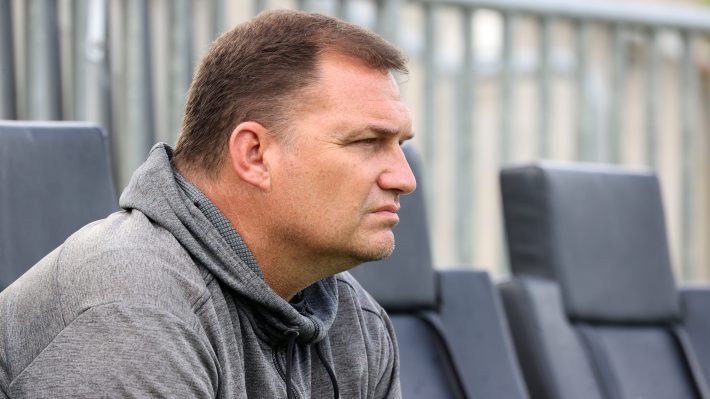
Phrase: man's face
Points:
(337, 179)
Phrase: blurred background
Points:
(491, 83)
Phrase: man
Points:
(222, 275)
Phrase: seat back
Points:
(54, 178)
(588, 249)
(450, 326)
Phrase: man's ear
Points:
(247, 145)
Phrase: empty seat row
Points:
(591, 311)
(592, 304)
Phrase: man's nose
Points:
(398, 174)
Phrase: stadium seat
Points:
(450, 326)
(54, 178)
(593, 306)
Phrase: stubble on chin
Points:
(375, 252)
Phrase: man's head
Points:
(294, 125)
(344, 170)
(258, 71)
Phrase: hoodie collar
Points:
(219, 221)
(154, 191)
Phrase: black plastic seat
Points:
(450, 325)
(593, 305)
(54, 178)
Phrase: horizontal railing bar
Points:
(647, 15)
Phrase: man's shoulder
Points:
(362, 332)
(124, 258)
(122, 262)
(350, 290)
(128, 258)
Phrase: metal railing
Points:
(492, 82)
(599, 74)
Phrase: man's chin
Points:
(375, 252)
(378, 255)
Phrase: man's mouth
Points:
(389, 212)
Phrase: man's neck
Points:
(286, 267)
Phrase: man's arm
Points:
(117, 350)
(389, 386)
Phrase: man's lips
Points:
(388, 211)
(391, 208)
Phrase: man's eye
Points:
(368, 141)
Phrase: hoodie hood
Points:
(153, 191)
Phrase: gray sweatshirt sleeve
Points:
(389, 386)
(116, 350)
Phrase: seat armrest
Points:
(477, 330)
(551, 356)
(696, 306)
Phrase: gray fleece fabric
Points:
(152, 302)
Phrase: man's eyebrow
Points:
(383, 131)
(380, 131)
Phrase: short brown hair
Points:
(251, 72)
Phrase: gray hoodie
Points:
(152, 302)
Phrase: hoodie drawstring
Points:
(290, 348)
(331, 373)
(292, 334)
